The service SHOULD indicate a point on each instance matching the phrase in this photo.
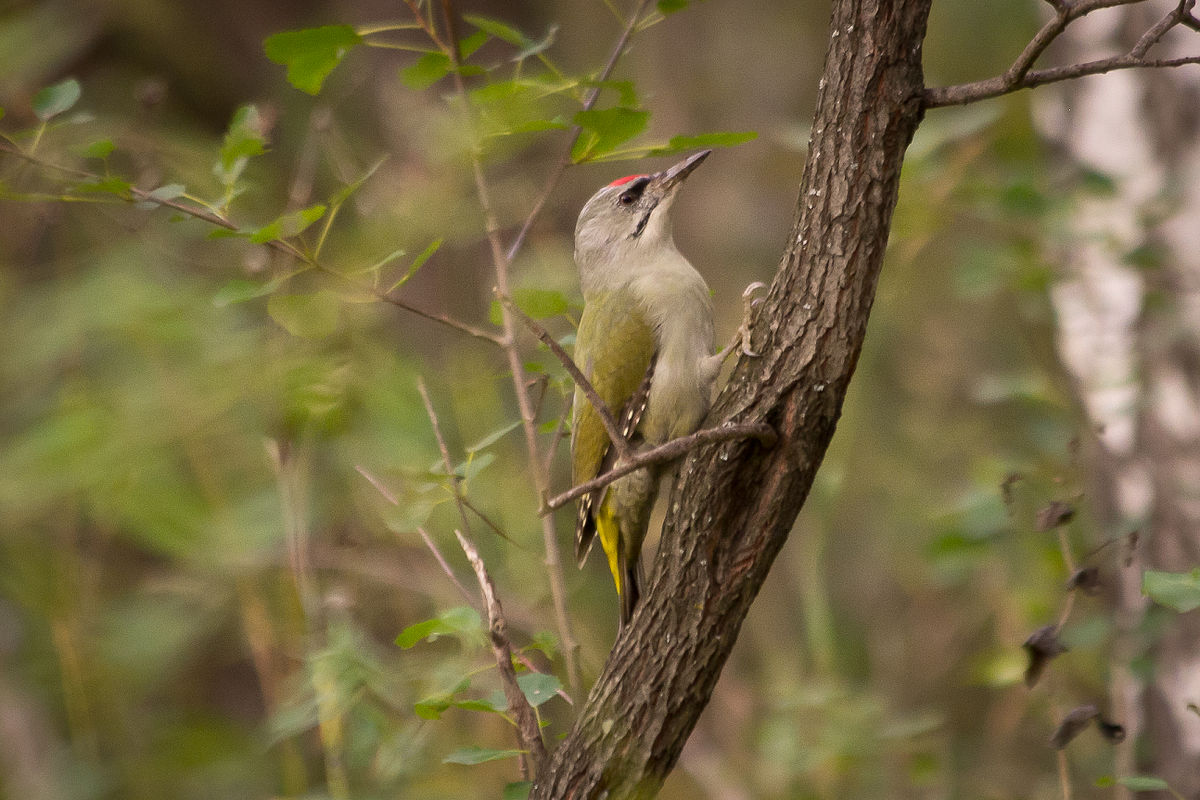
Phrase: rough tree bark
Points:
(734, 503)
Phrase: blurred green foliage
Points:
(216, 470)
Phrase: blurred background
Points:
(210, 495)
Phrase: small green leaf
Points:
(311, 54)
(478, 755)
(471, 468)
(288, 225)
(100, 149)
(431, 707)
(546, 642)
(114, 186)
(309, 316)
(468, 45)
(671, 6)
(1177, 590)
(487, 706)
(417, 263)
(541, 303)
(517, 791)
(723, 139)
(456, 620)
(343, 194)
(426, 71)
(1144, 783)
(493, 437)
(501, 30)
(54, 100)
(624, 89)
(244, 140)
(604, 129)
(168, 191)
(239, 290)
(538, 687)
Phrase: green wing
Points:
(613, 348)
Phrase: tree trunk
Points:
(735, 503)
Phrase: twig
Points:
(433, 548)
(455, 481)
(445, 565)
(527, 724)
(1021, 75)
(588, 102)
(606, 418)
(500, 263)
(667, 452)
(964, 93)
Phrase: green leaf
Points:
(343, 194)
(468, 45)
(471, 468)
(501, 30)
(243, 140)
(309, 316)
(99, 149)
(239, 290)
(517, 791)
(1144, 783)
(432, 707)
(54, 100)
(426, 71)
(604, 129)
(288, 225)
(114, 186)
(460, 619)
(538, 687)
(624, 89)
(311, 54)
(488, 706)
(417, 263)
(678, 144)
(478, 755)
(168, 191)
(493, 437)
(1177, 590)
(671, 6)
(541, 303)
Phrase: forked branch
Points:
(1021, 74)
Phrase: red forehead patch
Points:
(626, 179)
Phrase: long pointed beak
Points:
(666, 181)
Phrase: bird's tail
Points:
(626, 571)
(631, 587)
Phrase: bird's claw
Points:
(749, 301)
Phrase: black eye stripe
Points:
(634, 191)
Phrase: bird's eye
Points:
(627, 199)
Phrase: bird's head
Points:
(629, 219)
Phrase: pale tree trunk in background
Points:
(1129, 334)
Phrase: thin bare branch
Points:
(606, 418)
(455, 480)
(963, 93)
(445, 565)
(527, 723)
(501, 264)
(666, 452)
(1021, 74)
(433, 548)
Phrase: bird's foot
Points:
(749, 301)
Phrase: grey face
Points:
(631, 209)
